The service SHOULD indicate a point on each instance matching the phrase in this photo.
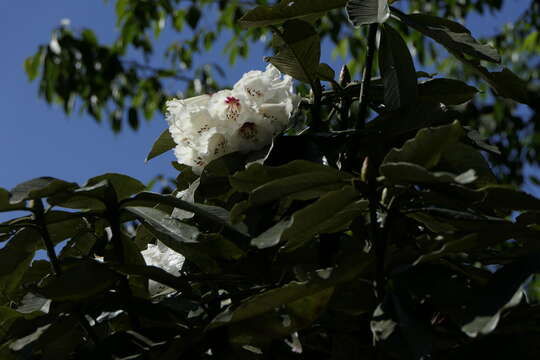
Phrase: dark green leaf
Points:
(397, 69)
(31, 65)
(163, 144)
(308, 10)
(331, 213)
(325, 72)
(446, 91)
(38, 188)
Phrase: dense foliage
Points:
(349, 237)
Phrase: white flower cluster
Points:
(243, 119)
(164, 258)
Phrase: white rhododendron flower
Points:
(164, 258)
(244, 119)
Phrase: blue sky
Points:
(39, 140)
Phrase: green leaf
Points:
(333, 212)
(163, 144)
(325, 72)
(15, 259)
(38, 188)
(79, 245)
(124, 185)
(428, 146)
(307, 10)
(257, 174)
(397, 70)
(97, 191)
(407, 173)
(455, 37)
(364, 12)
(31, 65)
(63, 225)
(446, 91)
(80, 279)
(299, 51)
(304, 186)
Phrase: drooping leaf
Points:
(298, 52)
(397, 70)
(38, 188)
(455, 37)
(446, 91)
(364, 12)
(505, 83)
(163, 144)
(307, 10)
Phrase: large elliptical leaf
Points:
(397, 69)
(364, 12)
(299, 51)
(307, 10)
